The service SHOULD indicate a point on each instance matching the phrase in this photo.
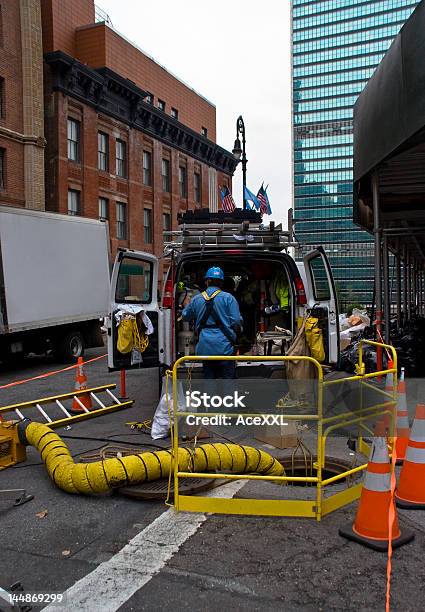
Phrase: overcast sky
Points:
(235, 53)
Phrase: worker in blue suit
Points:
(217, 321)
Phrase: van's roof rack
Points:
(201, 230)
(204, 215)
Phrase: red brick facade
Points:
(84, 176)
(68, 26)
(21, 108)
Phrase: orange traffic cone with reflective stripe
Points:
(80, 384)
(371, 525)
(402, 424)
(410, 491)
(389, 379)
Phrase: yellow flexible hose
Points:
(102, 476)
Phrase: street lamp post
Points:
(240, 153)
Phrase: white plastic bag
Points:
(362, 314)
(164, 410)
(343, 322)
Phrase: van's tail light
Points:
(300, 291)
(167, 299)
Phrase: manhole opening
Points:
(300, 468)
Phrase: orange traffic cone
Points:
(80, 384)
(389, 379)
(411, 484)
(402, 420)
(386, 417)
(370, 526)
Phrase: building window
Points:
(73, 140)
(74, 203)
(166, 175)
(204, 131)
(161, 105)
(197, 187)
(2, 168)
(147, 168)
(166, 222)
(103, 151)
(147, 225)
(2, 99)
(121, 221)
(182, 182)
(174, 113)
(149, 98)
(121, 158)
(103, 208)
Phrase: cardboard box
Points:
(279, 436)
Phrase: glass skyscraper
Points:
(336, 45)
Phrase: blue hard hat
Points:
(215, 272)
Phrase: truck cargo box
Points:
(54, 269)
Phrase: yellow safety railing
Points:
(325, 426)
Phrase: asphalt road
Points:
(182, 562)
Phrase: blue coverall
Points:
(212, 341)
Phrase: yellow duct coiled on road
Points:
(102, 476)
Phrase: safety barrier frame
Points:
(325, 425)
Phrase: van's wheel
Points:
(71, 347)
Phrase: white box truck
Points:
(54, 283)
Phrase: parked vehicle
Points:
(54, 283)
(252, 256)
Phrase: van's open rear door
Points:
(321, 294)
(134, 283)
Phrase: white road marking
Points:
(113, 582)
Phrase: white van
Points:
(252, 257)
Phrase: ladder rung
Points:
(81, 404)
(46, 416)
(64, 410)
(116, 400)
(96, 399)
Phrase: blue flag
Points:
(251, 199)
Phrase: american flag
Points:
(228, 203)
(264, 202)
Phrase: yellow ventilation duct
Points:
(102, 476)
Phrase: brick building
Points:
(126, 140)
(21, 104)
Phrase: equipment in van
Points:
(314, 336)
(134, 327)
(186, 341)
(203, 240)
(273, 342)
(273, 309)
(281, 289)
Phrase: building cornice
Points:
(113, 95)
